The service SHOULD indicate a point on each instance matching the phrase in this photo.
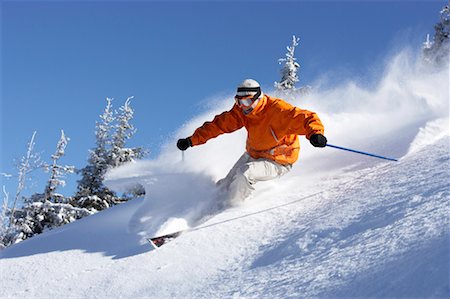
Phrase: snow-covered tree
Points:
(92, 194)
(45, 210)
(112, 134)
(437, 50)
(38, 215)
(57, 171)
(4, 223)
(290, 68)
(28, 163)
(124, 130)
(120, 154)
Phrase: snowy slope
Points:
(339, 225)
(377, 232)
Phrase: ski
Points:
(159, 241)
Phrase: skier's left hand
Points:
(184, 144)
(318, 140)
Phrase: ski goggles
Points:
(245, 101)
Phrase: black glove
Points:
(184, 144)
(318, 140)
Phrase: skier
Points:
(272, 146)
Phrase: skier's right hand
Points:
(184, 144)
(318, 140)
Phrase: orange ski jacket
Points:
(273, 128)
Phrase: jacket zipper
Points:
(273, 134)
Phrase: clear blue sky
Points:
(60, 60)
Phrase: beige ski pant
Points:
(238, 184)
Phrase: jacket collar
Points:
(257, 111)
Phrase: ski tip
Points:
(152, 244)
(157, 242)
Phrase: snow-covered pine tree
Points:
(39, 214)
(45, 210)
(120, 154)
(112, 134)
(57, 171)
(91, 193)
(28, 163)
(290, 68)
(437, 51)
(124, 130)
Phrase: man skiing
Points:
(272, 146)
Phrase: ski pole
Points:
(362, 153)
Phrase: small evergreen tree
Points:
(46, 210)
(437, 51)
(112, 134)
(123, 132)
(28, 163)
(290, 68)
(38, 215)
(120, 154)
(91, 193)
(57, 171)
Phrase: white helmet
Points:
(249, 87)
(248, 95)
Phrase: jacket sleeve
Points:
(302, 122)
(226, 122)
